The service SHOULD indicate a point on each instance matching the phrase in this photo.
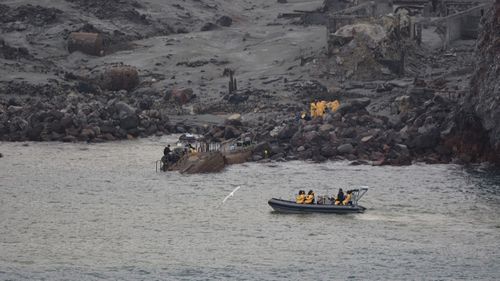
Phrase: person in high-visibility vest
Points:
(320, 108)
(347, 199)
(313, 109)
(309, 198)
(299, 199)
(333, 105)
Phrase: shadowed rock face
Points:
(484, 98)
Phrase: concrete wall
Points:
(462, 25)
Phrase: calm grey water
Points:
(100, 212)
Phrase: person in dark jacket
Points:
(340, 197)
(167, 150)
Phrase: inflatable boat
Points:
(287, 206)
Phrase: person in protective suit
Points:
(299, 199)
(313, 109)
(347, 200)
(320, 108)
(309, 198)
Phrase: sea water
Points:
(102, 212)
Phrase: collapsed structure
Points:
(374, 39)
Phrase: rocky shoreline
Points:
(396, 121)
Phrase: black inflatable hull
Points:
(285, 206)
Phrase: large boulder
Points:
(287, 132)
(328, 150)
(297, 139)
(127, 116)
(353, 105)
(182, 95)
(233, 119)
(261, 148)
(34, 131)
(427, 136)
(312, 137)
(231, 132)
(224, 21)
(346, 148)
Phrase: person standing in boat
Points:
(167, 155)
(309, 198)
(167, 150)
(299, 199)
(340, 197)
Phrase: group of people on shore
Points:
(318, 109)
(341, 199)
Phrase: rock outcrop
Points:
(484, 97)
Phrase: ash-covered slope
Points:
(35, 33)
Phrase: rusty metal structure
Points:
(120, 78)
(86, 42)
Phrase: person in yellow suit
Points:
(313, 109)
(347, 199)
(309, 198)
(299, 199)
(333, 105)
(320, 108)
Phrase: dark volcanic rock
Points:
(182, 96)
(125, 9)
(485, 82)
(13, 53)
(353, 105)
(231, 132)
(287, 132)
(127, 116)
(328, 150)
(224, 21)
(261, 147)
(345, 148)
(208, 26)
(426, 137)
(34, 15)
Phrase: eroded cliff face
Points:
(484, 97)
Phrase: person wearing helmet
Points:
(309, 198)
(299, 199)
